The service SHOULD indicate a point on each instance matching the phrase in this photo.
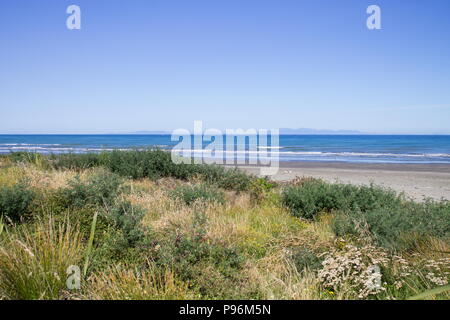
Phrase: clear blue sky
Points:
(161, 64)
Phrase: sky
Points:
(161, 64)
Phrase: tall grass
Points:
(36, 159)
(145, 245)
(122, 283)
(35, 257)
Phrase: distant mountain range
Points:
(316, 131)
(286, 131)
(151, 132)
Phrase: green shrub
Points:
(316, 196)
(225, 178)
(388, 219)
(235, 179)
(397, 227)
(123, 240)
(127, 219)
(191, 193)
(311, 198)
(194, 247)
(140, 164)
(260, 188)
(15, 202)
(153, 164)
(75, 161)
(100, 189)
(212, 269)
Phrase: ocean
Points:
(343, 148)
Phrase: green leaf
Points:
(432, 292)
(90, 242)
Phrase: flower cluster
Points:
(359, 269)
(355, 268)
(438, 271)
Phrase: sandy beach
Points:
(417, 181)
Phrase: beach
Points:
(417, 181)
(418, 165)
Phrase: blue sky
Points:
(161, 64)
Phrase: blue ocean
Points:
(343, 148)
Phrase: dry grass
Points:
(52, 179)
(34, 259)
(278, 279)
(254, 228)
(11, 175)
(38, 178)
(5, 162)
(121, 283)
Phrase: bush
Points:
(368, 211)
(261, 188)
(235, 179)
(153, 164)
(126, 218)
(212, 269)
(192, 193)
(316, 196)
(397, 227)
(121, 238)
(99, 189)
(75, 161)
(311, 198)
(229, 179)
(15, 202)
(136, 164)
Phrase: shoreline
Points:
(417, 181)
(385, 166)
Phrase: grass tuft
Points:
(34, 259)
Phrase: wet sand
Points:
(417, 181)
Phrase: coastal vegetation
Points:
(139, 226)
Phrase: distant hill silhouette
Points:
(316, 131)
(282, 131)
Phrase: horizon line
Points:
(169, 132)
